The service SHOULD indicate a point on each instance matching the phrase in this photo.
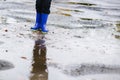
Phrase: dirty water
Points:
(83, 42)
(39, 65)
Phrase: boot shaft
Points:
(37, 25)
(38, 17)
(44, 22)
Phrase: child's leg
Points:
(43, 6)
(46, 6)
(45, 12)
(39, 6)
(37, 25)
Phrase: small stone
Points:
(25, 25)
(6, 30)
(23, 57)
(6, 50)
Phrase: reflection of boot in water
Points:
(39, 62)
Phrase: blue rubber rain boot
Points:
(43, 23)
(37, 25)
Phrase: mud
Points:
(90, 69)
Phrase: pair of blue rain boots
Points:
(41, 20)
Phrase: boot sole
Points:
(44, 32)
(39, 31)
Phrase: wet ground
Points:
(83, 42)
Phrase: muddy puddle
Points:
(83, 42)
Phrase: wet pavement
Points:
(83, 42)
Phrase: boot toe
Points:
(34, 28)
(44, 31)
